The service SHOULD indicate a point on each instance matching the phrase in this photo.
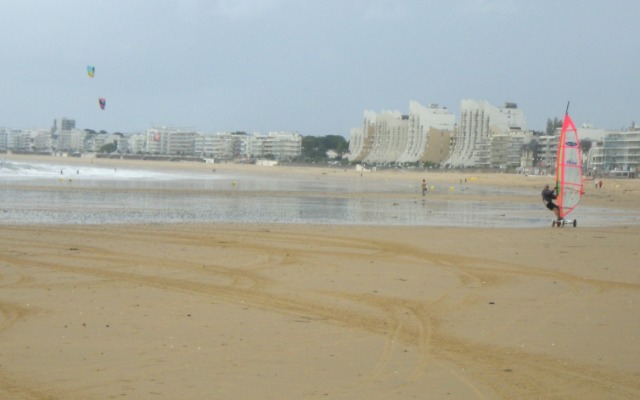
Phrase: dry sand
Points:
(339, 312)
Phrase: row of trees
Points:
(315, 148)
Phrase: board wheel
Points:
(553, 223)
(575, 223)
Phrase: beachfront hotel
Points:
(617, 154)
(486, 137)
(280, 145)
(391, 137)
(480, 123)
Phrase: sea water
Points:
(49, 193)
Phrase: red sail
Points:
(568, 168)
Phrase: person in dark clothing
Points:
(548, 196)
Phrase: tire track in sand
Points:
(413, 322)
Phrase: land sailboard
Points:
(569, 185)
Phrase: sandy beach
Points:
(290, 311)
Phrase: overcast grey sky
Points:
(313, 66)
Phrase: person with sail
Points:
(548, 196)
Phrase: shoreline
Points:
(615, 193)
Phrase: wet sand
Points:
(615, 193)
(210, 311)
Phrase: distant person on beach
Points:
(424, 187)
(548, 196)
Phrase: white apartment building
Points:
(71, 141)
(506, 149)
(157, 140)
(219, 146)
(391, 137)
(42, 141)
(26, 140)
(170, 141)
(280, 145)
(389, 132)
(547, 152)
(224, 146)
(356, 143)
(182, 142)
(619, 153)
(429, 134)
(4, 133)
(10, 138)
(133, 144)
(373, 143)
(362, 145)
(94, 142)
(479, 122)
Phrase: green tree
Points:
(534, 148)
(336, 143)
(585, 146)
(552, 124)
(108, 148)
(314, 148)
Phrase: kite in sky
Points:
(91, 70)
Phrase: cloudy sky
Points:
(313, 66)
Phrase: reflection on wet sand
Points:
(200, 201)
(34, 193)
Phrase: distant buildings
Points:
(393, 138)
(158, 141)
(486, 137)
(223, 146)
(605, 152)
(63, 124)
(71, 141)
(617, 154)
